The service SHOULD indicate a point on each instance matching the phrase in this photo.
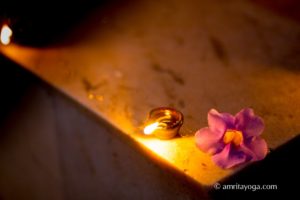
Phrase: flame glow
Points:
(150, 128)
(6, 34)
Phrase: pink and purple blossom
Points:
(232, 140)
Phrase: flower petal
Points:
(248, 123)
(229, 157)
(259, 148)
(219, 122)
(208, 141)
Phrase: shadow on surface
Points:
(281, 168)
(14, 82)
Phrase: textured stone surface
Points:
(192, 56)
(52, 148)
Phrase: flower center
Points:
(234, 136)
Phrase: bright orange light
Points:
(150, 128)
(6, 34)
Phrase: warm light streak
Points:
(151, 128)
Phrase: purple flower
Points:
(232, 140)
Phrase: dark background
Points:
(45, 22)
